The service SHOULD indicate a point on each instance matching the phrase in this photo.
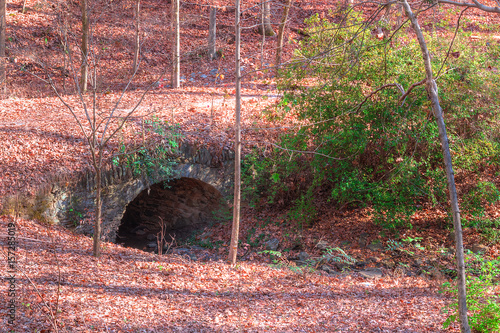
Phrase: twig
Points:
(452, 41)
(170, 244)
(161, 236)
(397, 85)
(414, 85)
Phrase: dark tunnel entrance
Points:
(185, 206)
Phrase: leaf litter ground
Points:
(127, 290)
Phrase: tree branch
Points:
(475, 4)
(416, 84)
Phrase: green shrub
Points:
(482, 301)
(484, 193)
(155, 155)
(376, 151)
(370, 153)
(490, 229)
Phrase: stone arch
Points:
(119, 195)
(70, 199)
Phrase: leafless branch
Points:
(475, 4)
(397, 85)
(414, 85)
(306, 152)
(452, 41)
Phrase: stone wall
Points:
(70, 201)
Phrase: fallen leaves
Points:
(126, 290)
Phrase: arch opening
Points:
(184, 206)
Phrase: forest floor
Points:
(128, 290)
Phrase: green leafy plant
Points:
(153, 157)
(482, 301)
(276, 257)
(364, 145)
(414, 242)
(393, 246)
(336, 254)
(75, 216)
(361, 155)
(490, 228)
(280, 261)
(484, 193)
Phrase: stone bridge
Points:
(201, 185)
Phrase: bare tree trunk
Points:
(212, 52)
(85, 45)
(3, 76)
(176, 51)
(24, 7)
(431, 88)
(97, 126)
(97, 223)
(266, 29)
(137, 39)
(348, 3)
(233, 249)
(281, 33)
(64, 42)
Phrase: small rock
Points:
(181, 251)
(361, 264)
(301, 263)
(372, 273)
(152, 245)
(329, 270)
(322, 245)
(362, 239)
(478, 248)
(376, 246)
(342, 266)
(373, 259)
(139, 230)
(303, 256)
(272, 244)
(389, 263)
